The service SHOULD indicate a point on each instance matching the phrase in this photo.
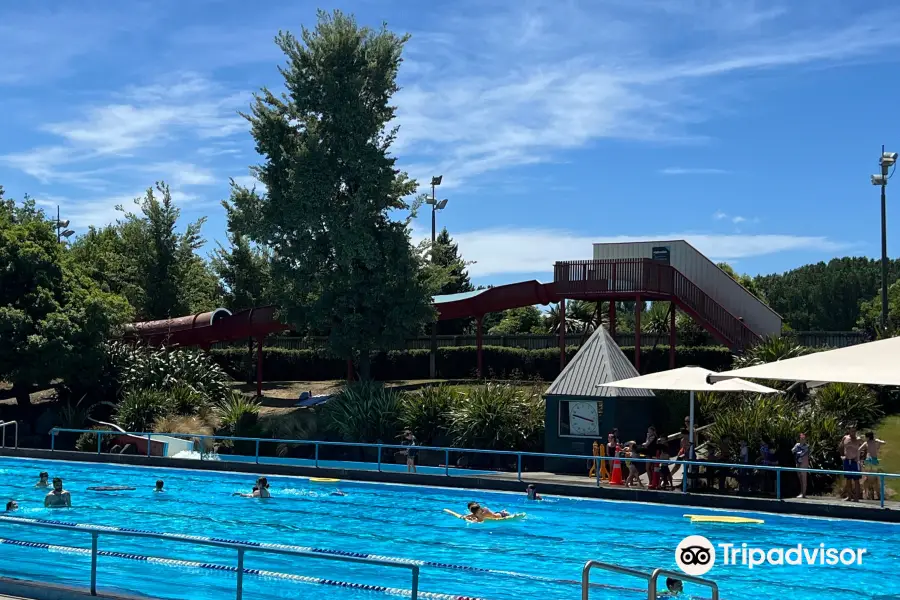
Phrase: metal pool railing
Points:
(691, 466)
(3, 426)
(241, 548)
(650, 578)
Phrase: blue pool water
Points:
(345, 464)
(544, 552)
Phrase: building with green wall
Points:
(579, 412)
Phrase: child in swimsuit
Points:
(870, 450)
(665, 474)
(634, 477)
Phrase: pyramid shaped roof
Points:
(599, 360)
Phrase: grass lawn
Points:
(889, 431)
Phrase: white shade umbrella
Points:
(689, 379)
(872, 363)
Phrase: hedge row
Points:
(458, 362)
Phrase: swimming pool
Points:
(542, 554)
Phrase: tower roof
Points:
(599, 360)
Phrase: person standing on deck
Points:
(850, 454)
(801, 458)
(411, 452)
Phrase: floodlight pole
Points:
(433, 354)
(884, 257)
(58, 238)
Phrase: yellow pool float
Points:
(323, 480)
(721, 519)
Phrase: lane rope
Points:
(171, 562)
(393, 559)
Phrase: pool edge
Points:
(21, 588)
(487, 483)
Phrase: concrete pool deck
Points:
(547, 483)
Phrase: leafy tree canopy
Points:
(825, 296)
(147, 260)
(53, 317)
(528, 319)
(243, 268)
(341, 263)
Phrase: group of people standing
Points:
(860, 456)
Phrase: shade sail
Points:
(689, 379)
(872, 363)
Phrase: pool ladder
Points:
(650, 578)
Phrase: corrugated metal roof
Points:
(599, 360)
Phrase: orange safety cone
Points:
(616, 477)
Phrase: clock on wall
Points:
(584, 418)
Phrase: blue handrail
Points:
(447, 450)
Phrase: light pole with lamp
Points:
(887, 160)
(62, 230)
(436, 205)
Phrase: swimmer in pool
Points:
(11, 506)
(43, 480)
(531, 492)
(674, 586)
(159, 486)
(58, 497)
(260, 490)
(338, 493)
(478, 514)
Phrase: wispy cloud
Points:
(141, 123)
(509, 251)
(499, 104)
(736, 219)
(692, 171)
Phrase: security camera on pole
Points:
(887, 160)
(436, 205)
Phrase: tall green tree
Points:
(342, 263)
(527, 319)
(243, 268)
(870, 312)
(53, 317)
(825, 296)
(145, 258)
(444, 255)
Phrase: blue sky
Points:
(748, 128)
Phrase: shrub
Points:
(138, 367)
(238, 415)
(298, 425)
(457, 362)
(87, 442)
(187, 424)
(140, 408)
(185, 400)
(498, 417)
(849, 404)
(426, 412)
(364, 412)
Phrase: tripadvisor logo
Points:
(696, 555)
